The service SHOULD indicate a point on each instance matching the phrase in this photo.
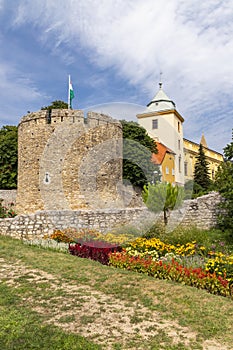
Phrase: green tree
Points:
(58, 104)
(8, 157)
(224, 184)
(202, 180)
(138, 147)
(162, 197)
(228, 150)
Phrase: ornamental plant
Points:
(97, 250)
(162, 197)
(7, 212)
(196, 277)
(70, 235)
(60, 237)
(155, 244)
(221, 265)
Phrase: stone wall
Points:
(201, 212)
(8, 196)
(44, 222)
(66, 161)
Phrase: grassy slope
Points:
(208, 316)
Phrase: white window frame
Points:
(155, 123)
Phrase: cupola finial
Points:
(160, 80)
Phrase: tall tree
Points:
(8, 157)
(138, 147)
(58, 104)
(202, 180)
(228, 150)
(224, 184)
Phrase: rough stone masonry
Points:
(200, 212)
(68, 162)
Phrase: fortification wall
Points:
(201, 212)
(45, 222)
(66, 161)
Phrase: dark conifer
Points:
(201, 171)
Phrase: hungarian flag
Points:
(71, 94)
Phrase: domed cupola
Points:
(161, 101)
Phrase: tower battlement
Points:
(56, 116)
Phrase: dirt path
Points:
(99, 317)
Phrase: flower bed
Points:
(196, 277)
(188, 263)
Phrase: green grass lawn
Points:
(52, 300)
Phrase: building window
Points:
(167, 170)
(185, 168)
(155, 124)
(178, 144)
(173, 172)
(179, 164)
(212, 174)
(178, 126)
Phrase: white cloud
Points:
(191, 41)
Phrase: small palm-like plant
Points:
(162, 197)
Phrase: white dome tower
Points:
(163, 123)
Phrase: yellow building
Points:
(176, 155)
(165, 159)
(191, 151)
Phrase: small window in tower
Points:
(47, 179)
(155, 124)
(167, 170)
(178, 126)
(186, 168)
(178, 144)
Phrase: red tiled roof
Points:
(162, 150)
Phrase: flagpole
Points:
(69, 93)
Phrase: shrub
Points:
(183, 236)
(96, 250)
(7, 212)
(155, 231)
(70, 235)
(60, 236)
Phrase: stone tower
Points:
(66, 161)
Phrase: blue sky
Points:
(114, 51)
